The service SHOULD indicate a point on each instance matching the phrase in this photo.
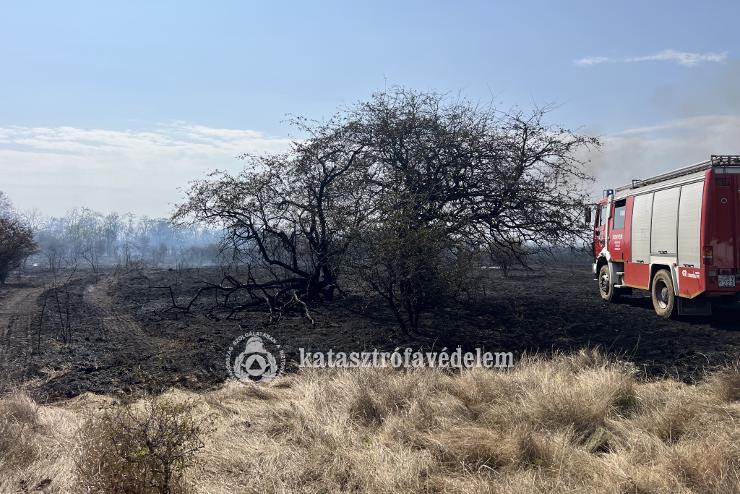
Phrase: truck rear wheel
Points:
(663, 295)
(606, 287)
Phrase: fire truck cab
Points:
(675, 235)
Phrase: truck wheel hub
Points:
(662, 292)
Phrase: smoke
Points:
(643, 152)
(703, 119)
(714, 92)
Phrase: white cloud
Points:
(58, 168)
(646, 151)
(687, 59)
(683, 58)
(592, 60)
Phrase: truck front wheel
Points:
(663, 295)
(606, 287)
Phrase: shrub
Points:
(139, 450)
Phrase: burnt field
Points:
(126, 337)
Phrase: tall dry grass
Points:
(578, 423)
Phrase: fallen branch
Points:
(277, 297)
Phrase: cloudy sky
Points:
(117, 106)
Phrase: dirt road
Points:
(17, 310)
(109, 349)
(117, 323)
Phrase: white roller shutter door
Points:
(664, 238)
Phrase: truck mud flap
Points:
(699, 306)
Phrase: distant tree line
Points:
(84, 238)
(93, 239)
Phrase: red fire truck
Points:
(676, 235)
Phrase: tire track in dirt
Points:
(111, 351)
(17, 310)
(115, 322)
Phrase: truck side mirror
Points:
(588, 216)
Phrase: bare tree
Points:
(451, 177)
(288, 213)
(394, 191)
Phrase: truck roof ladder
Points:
(715, 161)
(725, 160)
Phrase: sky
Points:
(116, 106)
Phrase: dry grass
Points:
(19, 424)
(578, 423)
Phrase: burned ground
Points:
(125, 339)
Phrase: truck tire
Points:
(606, 287)
(663, 294)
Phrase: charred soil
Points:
(125, 336)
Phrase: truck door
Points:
(616, 232)
(602, 215)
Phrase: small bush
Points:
(139, 450)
